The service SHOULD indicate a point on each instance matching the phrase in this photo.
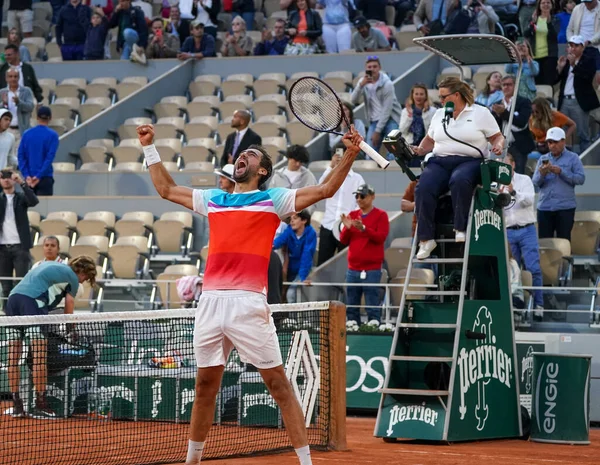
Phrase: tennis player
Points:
(36, 294)
(233, 309)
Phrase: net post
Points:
(337, 375)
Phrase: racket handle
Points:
(382, 162)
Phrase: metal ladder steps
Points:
(428, 325)
(413, 392)
(419, 358)
(447, 293)
(441, 260)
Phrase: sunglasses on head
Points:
(372, 58)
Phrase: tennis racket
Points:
(317, 106)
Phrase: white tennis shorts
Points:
(240, 319)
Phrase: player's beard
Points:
(244, 176)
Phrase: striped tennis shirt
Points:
(242, 228)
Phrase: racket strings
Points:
(315, 105)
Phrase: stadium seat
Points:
(294, 77)
(205, 166)
(453, 71)
(340, 81)
(233, 103)
(61, 223)
(419, 276)
(544, 91)
(319, 165)
(298, 133)
(554, 260)
(169, 127)
(53, 50)
(71, 87)
(129, 150)
(201, 149)
(42, 11)
(128, 167)
(170, 166)
(316, 218)
(170, 106)
(269, 83)
(64, 107)
(130, 84)
(275, 146)
(136, 223)
(93, 106)
(169, 298)
(37, 251)
(108, 144)
(128, 130)
(102, 87)
(36, 47)
(224, 129)
(95, 247)
(237, 84)
(270, 125)
(587, 215)
(63, 167)
(100, 223)
(86, 299)
(93, 168)
(129, 257)
(61, 125)
(584, 237)
(48, 85)
(201, 126)
(205, 105)
(397, 257)
(173, 232)
(34, 224)
(168, 148)
(268, 104)
(434, 96)
(207, 84)
(404, 38)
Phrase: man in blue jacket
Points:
(71, 29)
(300, 239)
(132, 28)
(36, 154)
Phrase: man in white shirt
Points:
(521, 232)
(7, 140)
(15, 236)
(585, 22)
(295, 174)
(342, 203)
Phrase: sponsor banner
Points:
(366, 364)
(525, 352)
(561, 398)
(414, 417)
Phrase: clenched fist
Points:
(145, 134)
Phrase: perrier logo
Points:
(527, 370)
(479, 366)
(483, 217)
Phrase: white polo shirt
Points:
(522, 212)
(474, 125)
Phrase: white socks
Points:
(194, 454)
(304, 455)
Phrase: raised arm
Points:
(162, 180)
(307, 196)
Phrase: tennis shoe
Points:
(18, 411)
(425, 249)
(43, 413)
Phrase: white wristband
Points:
(151, 155)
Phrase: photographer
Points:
(483, 19)
(556, 175)
(161, 44)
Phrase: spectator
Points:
(381, 105)
(20, 16)
(492, 92)
(72, 26)
(304, 28)
(483, 19)
(295, 175)
(290, 5)
(238, 44)
(37, 152)
(15, 234)
(32, 296)
(358, 125)
(273, 43)
(300, 239)
(337, 32)
(161, 44)
(368, 39)
(241, 139)
(373, 9)
(133, 29)
(205, 12)
(15, 38)
(531, 69)
(198, 45)
(51, 250)
(585, 22)
(556, 175)
(520, 142)
(508, 8)
(19, 101)
(107, 9)
(564, 17)
(416, 117)
(7, 140)
(96, 36)
(402, 7)
(342, 203)
(245, 9)
(27, 77)
(516, 284)
(226, 182)
(177, 26)
(521, 233)
(543, 117)
(275, 281)
(542, 33)
(365, 231)
(431, 21)
(453, 165)
(526, 10)
(145, 7)
(577, 96)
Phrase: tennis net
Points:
(120, 387)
